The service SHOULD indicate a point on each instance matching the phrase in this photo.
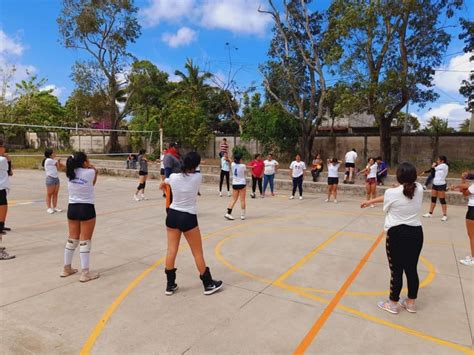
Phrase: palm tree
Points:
(193, 83)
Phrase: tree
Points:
(390, 51)
(294, 74)
(412, 121)
(464, 126)
(103, 29)
(467, 86)
(438, 126)
(193, 82)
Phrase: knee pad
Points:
(141, 186)
(72, 244)
(85, 246)
(442, 200)
(433, 199)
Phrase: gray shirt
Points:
(143, 164)
(173, 163)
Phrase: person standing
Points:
(257, 167)
(439, 187)
(172, 165)
(51, 166)
(350, 159)
(239, 184)
(316, 167)
(81, 214)
(225, 173)
(333, 178)
(5, 173)
(182, 219)
(223, 148)
(371, 179)
(404, 241)
(467, 189)
(382, 170)
(142, 175)
(271, 167)
(297, 169)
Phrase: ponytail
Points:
(74, 162)
(406, 176)
(47, 154)
(409, 189)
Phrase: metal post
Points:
(161, 142)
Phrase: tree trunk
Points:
(385, 139)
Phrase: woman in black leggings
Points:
(404, 241)
(225, 172)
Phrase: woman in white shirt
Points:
(468, 190)
(439, 187)
(297, 169)
(239, 184)
(182, 219)
(51, 166)
(81, 215)
(333, 178)
(402, 205)
(271, 167)
(371, 179)
(225, 173)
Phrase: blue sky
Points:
(173, 30)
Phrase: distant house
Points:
(358, 123)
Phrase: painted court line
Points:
(308, 339)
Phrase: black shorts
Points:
(439, 187)
(3, 197)
(80, 211)
(238, 187)
(350, 165)
(181, 220)
(162, 171)
(143, 173)
(333, 181)
(470, 213)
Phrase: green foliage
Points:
(464, 126)
(437, 126)
(242, 151)
(413, 122)
(467, 86)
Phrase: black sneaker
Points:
(212, 288)
(252, 195)
(170, 289)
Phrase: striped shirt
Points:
(224, 147)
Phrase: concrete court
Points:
(280, 267)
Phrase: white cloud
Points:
(56, 91)
(239, 16)
(454, 112)
(451, 80)
(166, 10)
(9, 46)
(184, 36)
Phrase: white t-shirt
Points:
(162, 166)
(297, 168)
(225, 165)
(333, 170)
(185, 189)
(270, 167)
(471, 196)
(238, 174)
(81, 189)
(50, 168)
(351, 157)
(4, 178)
(372, 171)
(399, 209)
(441, 171)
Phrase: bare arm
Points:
(367, 203)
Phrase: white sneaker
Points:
(301, 197)
(229, 217)
(335, 201)
(326, 200)
(468, 261)
(57, 210)
(428, 215)
(220, 194)
(228, 193)
(242, 217)
(444, 218)
(372, 206)
(424, 187)
(143, 198)
(135, 197)
(50, 210)
(292, 197)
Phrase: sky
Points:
(208, 31)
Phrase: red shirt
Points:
(257, 167)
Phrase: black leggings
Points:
(403, 248)
(226, 175)
(298, 182)
(255, 181)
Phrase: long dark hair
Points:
(75, 161)
(237, 158)
(47, 154)
(443, 159)
(406, 176)
(190, 162)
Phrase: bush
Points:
(242, 151)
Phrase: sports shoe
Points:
(210, 286)
(135, 197)
(242, 217)
(468, 261)
(143, 198)
(5, 256)
(335, 201)
(67, 271)
(88, 276)
(372, 206)
(220, 194)
(228, 193)
(428, 215)
(387, 306)
(50, 210)
(444, 218)
(424, 187)
(229, 217)
(171, 285)
(292, 197)
(326, 200)
(57, 210)
(301, 197)
(409, 307)
(252, 195)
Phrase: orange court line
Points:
(308, 339)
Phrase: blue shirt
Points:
(382, 166)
